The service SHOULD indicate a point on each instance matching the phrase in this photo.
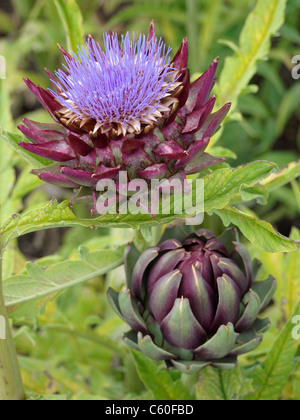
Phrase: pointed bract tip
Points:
(28, 81)
(32, 86)
(48, 72)
(151, 31)
(64, 52)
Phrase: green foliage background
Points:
(55, 281)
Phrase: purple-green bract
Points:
(194, 304)
(127, 107)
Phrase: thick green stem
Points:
(11, 387)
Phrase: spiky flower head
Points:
(194, 303)
(127, 107)
(122, 90)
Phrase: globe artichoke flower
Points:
(126, 107)
(195, 303)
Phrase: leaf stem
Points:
(11, 387)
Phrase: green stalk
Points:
(11, 387)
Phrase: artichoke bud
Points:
(194, 303)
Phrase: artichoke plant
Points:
(127, 107)
(194, 303)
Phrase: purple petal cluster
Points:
(120, 84)
(193, 303)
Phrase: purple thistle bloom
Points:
(125, 85)
(194, 303)
(127, 107)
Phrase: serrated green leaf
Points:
(158, 380)
(282, 177)
(60, 215)
(27, 294)
(270, 380)
(259, 232)
(254, 45)
(217, 385)
(220, 187)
